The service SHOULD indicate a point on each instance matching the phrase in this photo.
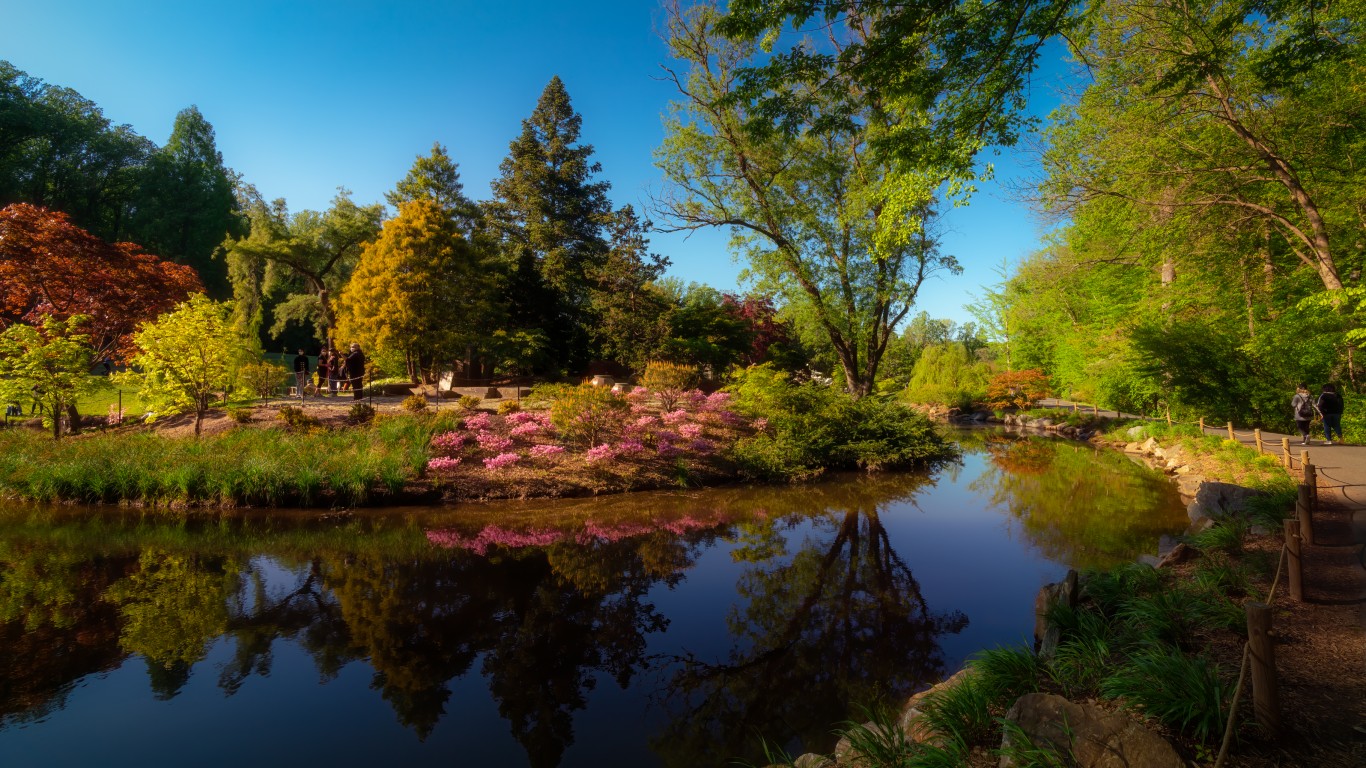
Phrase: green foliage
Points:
(51, 365)
(1005, 674)
(1226, 536)
(587, 414)
(265, 467)
(414, 403)
(948, 375)
(468, 403)
(298, 418)
(1184, 692)
(961, 713)
(360, 413)
(508, 406)
(812, 428)
(185, 357)
(261, 379)
(668, 381)
(436, 177)
(240, 415)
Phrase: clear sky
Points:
(309, 96)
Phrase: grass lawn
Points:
(98, 403)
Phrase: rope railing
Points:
(1243, 668)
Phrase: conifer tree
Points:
(436, 177)
(549, 215)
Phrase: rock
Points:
(1179, 554)
(1042, 423)
(1259, 530)
(1046, 634)
(813, 760)
(1094, 737)
(1133, 448)
(1135, 432)
(1165, 545)
(492, 393)
(1149, 446)
(1217, 500)
(1188, 486)
(844, 748)
(1150, 560)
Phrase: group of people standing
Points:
(1328, 405)
(336, 372)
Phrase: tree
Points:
(828, 223)
(51, 365)
(185, 357)
(420, 291)
(437, 178)
(308, 257)
(186, 206)
(629, 311)
(548, 214)
(51, 268)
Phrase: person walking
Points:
(1329, 406)
(336, 373)
(301, 372)
(355, 369)
(1302, 408)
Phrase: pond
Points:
(657, 629)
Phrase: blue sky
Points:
(308, 96)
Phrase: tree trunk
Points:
(56, 410)
(73, 419)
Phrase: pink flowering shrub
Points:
(690, 431)
(717, 401)
(674, 417)
(522, 417)
(448, 442)
(668, 450)
(502, 460)
(492, 536)
(701, 446)
(604, 452)
(630, 446)
(478, 422)
(491, 441)
(694, 399)
(544, 451)
(528, 428)
(441, 463)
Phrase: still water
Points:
(660, 629)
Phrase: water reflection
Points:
(544, 602)
(1077, 504)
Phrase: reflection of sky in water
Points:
(966, 553)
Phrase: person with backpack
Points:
(1330, 405)
(1302, 407)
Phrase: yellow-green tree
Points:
(51, 364)
(186, 356)
(421, 292)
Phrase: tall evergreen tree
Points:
(186, 206)
(549, 215)
(436, 177)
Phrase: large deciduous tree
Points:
(836, 228)
(420, 291)
(49, 267)
(307, 257)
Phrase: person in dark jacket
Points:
(355, 369)
(301, 373)
(1302, 410)
(1330, 406)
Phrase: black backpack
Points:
(1304, 411)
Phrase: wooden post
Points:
(1095, 409)
(1230, 431)
(1285, 453)
(1169, 416)
(1293, 564)
(1202, 425)
(1311, 479)
(1265, 696)
(1303, 505)
(1257, 438)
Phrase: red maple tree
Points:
(50, 267)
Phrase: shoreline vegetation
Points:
(569, 441)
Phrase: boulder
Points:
(1135, 432)
(1149, 446)
(1179, 554)
(1133, 448)
(1092, 736)
(1217, 500)
(812, 760)
(1152, 561)
(492, 393)
(1046, 634)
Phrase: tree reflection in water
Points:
(841, 624)
(1077, 504)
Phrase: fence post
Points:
(1169, 416)
(1292, 560)
(1230, 431)
(1311, 479)
(1304, 503)
(1257, 437)
(1202, 425)
(1285, 453)
(1265, 698)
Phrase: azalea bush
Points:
(587, 414)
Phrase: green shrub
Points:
(360, 413)
(587, 414)
(468, 403)
(1186, 693)
(1224, 536)
(414, 403)
(1005, 674)
(297, 418)
(508, 406)
(240, 415)
(262, 379)
(959, 713)
(947, 374)
(668, 381)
